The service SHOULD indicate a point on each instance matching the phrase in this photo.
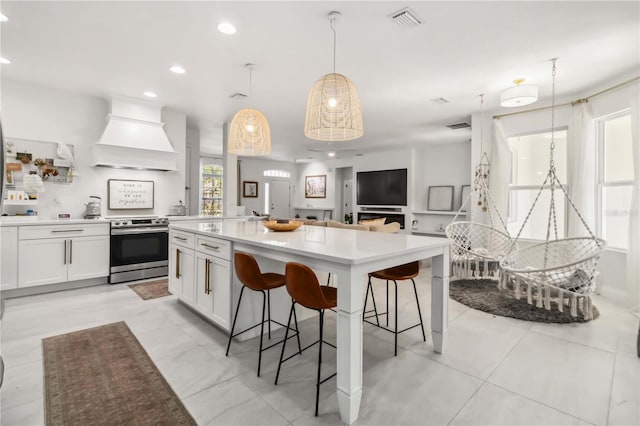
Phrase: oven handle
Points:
(129, 231)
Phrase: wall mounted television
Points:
(382, 188)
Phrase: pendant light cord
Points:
(481, 124)
(335, 37)
(250, 86)
(553, 114)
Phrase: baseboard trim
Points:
(614, 294)
(49, 288)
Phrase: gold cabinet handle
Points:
(65, 252)
(178, 263)
(207, 268)
(210, 246)
(70, 252)
(66, 230)
(179, 238)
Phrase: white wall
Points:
(193, 169)
(46, 114)
(252, 169)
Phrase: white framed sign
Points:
(130, 194)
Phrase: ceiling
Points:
(461, 49)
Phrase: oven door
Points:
(138, 249)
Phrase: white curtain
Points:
(500, 169)
(633, 255)
(581, 165)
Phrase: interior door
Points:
(279, 199)
(347, 197)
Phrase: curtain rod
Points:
(578, 101)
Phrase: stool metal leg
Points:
(424, 337)
(235, 317)
(295, 319)
(264, 303)
(395, 330)
(269, 312)
(387, 303)
(319, 361)
(284, 343)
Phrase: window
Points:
(277, 173)
(529, 167)
(210, 187)
(615, 179)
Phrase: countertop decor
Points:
(273, 225)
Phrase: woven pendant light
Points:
(249, 132)
(333, 107)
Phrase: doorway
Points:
(344, 197)
(277, 200)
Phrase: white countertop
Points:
(337, 245)
(35, 220)
(204, 218)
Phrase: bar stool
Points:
(397, 273)
(304, 289)
(249, 274)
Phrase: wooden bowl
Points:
(282, 227)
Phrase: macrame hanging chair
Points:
(562, 268)
(477, 247)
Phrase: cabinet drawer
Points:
(184, 239)
(214, 247)
(62, 231)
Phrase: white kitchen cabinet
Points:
(181, 272)
(9, 257)
(59, 253)
(213, 288)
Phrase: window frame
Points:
(512, 198)
(600, 165)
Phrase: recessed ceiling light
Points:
(150, 95)
(177, 69)
(227, 28)
(4, 61)
(331, 153)
(3, 18)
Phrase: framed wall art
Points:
(249, 189)
(464, 194)
(440, 198)
(315, 186)
(130, 194)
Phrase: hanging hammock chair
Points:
(562, 268)
(477, 247)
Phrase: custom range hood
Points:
(134, 138)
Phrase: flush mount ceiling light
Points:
(518, 95)
(4, 61)
(227, 28)
(331, 154)
(333, 107)
(249, 132)
(177, 69)
(150, 95)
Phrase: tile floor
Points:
(496, 371)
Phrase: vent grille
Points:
(406, 18)
(441, 100)
(237, 95)
(459, 126)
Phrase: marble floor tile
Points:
(255, 412)
(567, 376)
(217, 400)
(625, 391)
(27, 414)
(193, 370)
(164, 342)
(22, 384)
(494, 406)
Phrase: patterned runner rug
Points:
(485, 296)
(151, 289)
(103, 376)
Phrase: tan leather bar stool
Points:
(397, 273)
(249, 274)
(304, 289)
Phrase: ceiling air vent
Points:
(237, 95)
(406, 18)
(459, 126)
(441, 100)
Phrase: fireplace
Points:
(391, 217)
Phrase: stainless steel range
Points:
(139, 248)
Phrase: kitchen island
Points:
(348, 254)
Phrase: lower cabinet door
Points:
(8, 257)
(184, 277)
(88, 257)
(213, 288)
(42, 261)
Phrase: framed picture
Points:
(464, 194)
(249, 189)
(440, 198)
(315, 186)
(130, 194)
